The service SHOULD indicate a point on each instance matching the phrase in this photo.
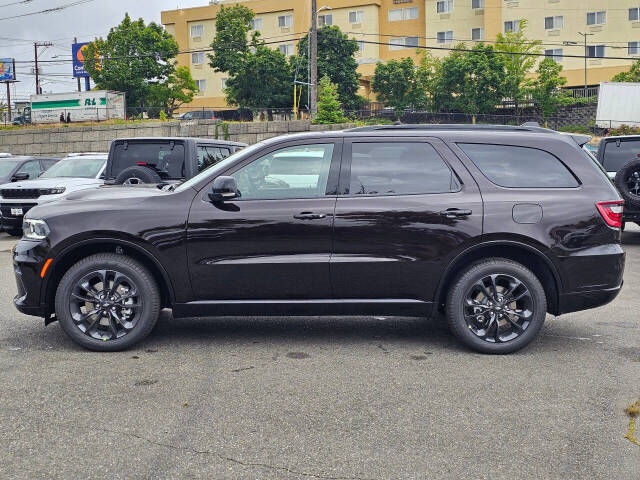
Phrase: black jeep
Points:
(134, 161)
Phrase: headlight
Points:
(52, 191)
(35, 229)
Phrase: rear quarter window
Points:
(519, 167)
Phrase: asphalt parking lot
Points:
(323, 398)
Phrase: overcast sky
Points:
(85, 21)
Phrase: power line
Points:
(15, 3)
(49, 10)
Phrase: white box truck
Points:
(88, 106)
(618, 104)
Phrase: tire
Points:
(137, 175)
(627, 181)
(480, 335)
(117, 328)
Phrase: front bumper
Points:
(9, 221)
(28, 259)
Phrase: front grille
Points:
(20, 193)
(5, 209)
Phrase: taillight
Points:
(611, 212)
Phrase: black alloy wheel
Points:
(107, 302)
(105, 305)
(496, 306)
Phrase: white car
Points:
(73, 173)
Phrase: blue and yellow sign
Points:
(7, 70)
(78, 50)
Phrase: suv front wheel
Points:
(496, 306)
(107, 302)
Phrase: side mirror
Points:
(224, 189)
(18, 177)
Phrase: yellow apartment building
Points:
(398, 26)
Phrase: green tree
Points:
(336, 60)
(633, 75)
(470, 82)
(233, 42)
(546, 91)
(520, 56)
(263, 80)
(396, 85)
(329, 108)
(259, 77)
(132, 59)
(427, 75)
(178, 89)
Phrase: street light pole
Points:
(313, 59)
(586, 56)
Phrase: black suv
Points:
(620, 157)
(152, 160)
(496, 226)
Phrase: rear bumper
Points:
(575, 302)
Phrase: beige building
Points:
(388, 29)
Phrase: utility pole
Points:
(586, 56)
(75, 40)
(35, 47)
(313, 59)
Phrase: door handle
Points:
(309, 216)
(455, 213)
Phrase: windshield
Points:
(75, 167)
(6, 167)
(218, 167)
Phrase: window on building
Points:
(634, 14)
(326, 19)
(223, 83)
(476, 4)
(256, 24)
(397, 43)
(519, 167)
(403, 14)
(399, 169)
(202, 86)
(197, 58)
(553, 23)
(357, 16)
(285, 21)
(360, 47)
(197, 31)
(477, 34)
(597, 18)
(512, 26)
(634, 48)
(286, 49)
(444, 6)
(445, 37)
(554, 54)
(596, 51)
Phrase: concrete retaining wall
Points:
(60, 141)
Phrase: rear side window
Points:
(519, 167)
(166, 159)
(399, 169)
(617, 154)
(208, 155)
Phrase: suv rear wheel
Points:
(496, 306)
(107, 302)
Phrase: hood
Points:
(52, 183)
(113, 192)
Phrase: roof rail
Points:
(86, 153)
(527, 127)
